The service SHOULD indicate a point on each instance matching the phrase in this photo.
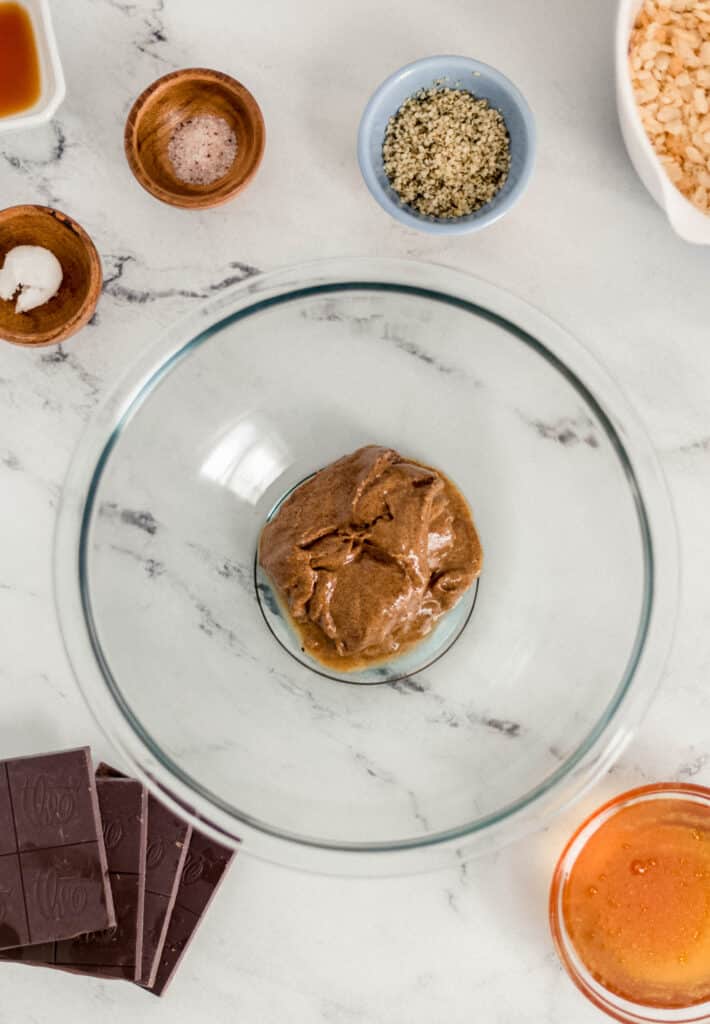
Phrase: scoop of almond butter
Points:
(669, 59)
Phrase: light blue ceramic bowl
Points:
(456, 72)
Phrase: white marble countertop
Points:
(586, 244)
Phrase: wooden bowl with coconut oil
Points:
(74, 303)
(173, 105)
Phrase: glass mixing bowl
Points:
(531, 694)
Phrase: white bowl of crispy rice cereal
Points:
(663, 99)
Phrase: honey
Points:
(636, 902)
(20, 82)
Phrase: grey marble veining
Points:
(586, 245)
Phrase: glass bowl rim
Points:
(620, 1009)
(433, 281)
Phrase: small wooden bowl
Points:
(175, 98)
(74, 304)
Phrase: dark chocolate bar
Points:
(168, 841)
(117, 951)
(124, 814)
(53, 871)
(205, 866)
(168, 844)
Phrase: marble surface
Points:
(587, 245)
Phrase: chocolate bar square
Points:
(13, 917)
(53, 799)
(64, 891)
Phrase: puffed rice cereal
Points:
(669, 61)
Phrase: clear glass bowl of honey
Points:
(630, 905)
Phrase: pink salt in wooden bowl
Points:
(179, 97)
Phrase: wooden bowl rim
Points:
(203, 200)
(36, 339)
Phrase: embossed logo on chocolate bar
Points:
(194, 867)
(113, 833)
(155, 853)
(46, 803)
(4, 895)
(58, 896)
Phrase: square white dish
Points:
(52, 86)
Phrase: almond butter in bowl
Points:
(669, 61)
